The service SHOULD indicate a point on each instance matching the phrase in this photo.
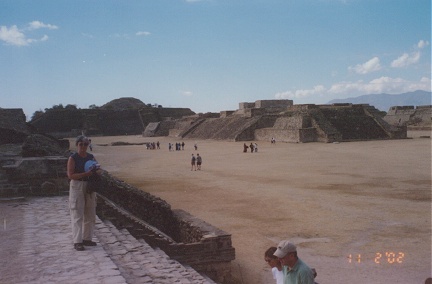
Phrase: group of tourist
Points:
(287, 267)
(253, 147)
(178, 146)
(196, 162)
(152, 145)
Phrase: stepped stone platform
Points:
(420, 116)
(285, 122)
(36, 245)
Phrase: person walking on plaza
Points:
(199, 162)
(294, 269)
(193, 162)
(90, 145)
(245, 147)
(275, 265)
(82, 205)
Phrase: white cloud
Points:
(406, 59)
(376, 86)
(187, 93)
(422, 43)
(367, 67)
(317, 90)
(39, 25)
(380, 85)
(143, 33)
(13, 36)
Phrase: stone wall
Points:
(151, 129)
(410, 116)
(251, 112)
(183, 237)
(226, 113)
(295, 128)
(273, 103)
(246, 105)
(265, 104)
(33, 176)
(281, 135)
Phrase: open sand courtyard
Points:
(370, 200)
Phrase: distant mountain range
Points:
(383, 102)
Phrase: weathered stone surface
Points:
(25, 176)
(13, 127)
(49, 188)
(37, 145)
(420, 116)
(180, 235)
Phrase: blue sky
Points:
(210, 55)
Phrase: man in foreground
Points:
(294, 269)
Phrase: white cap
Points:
(283, 248)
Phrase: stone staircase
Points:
(354, 124)
(226, 128)
(138, 262)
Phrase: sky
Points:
(209, 55)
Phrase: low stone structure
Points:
(410, 116)
(33, 176)
(183, 237)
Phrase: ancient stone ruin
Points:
(413, 117)
(285, 122)
(259, 120)
(125, 116)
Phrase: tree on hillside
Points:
(59, 106)
(37, 114)
(71, 107)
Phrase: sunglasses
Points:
(83, 144)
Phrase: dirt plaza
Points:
(359, 212)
